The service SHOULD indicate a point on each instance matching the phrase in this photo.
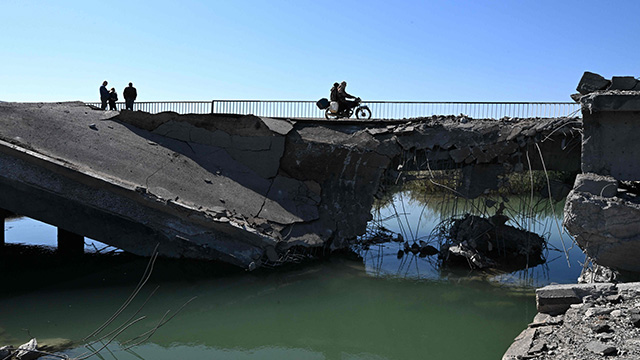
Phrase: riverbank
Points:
(582, 321)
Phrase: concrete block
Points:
(623, 83)
(591, 82)
(550, 300)
(629, 287)
(556, 299)
(599, 185)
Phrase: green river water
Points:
(375, 306)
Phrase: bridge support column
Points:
(3, 215)
(70, 243)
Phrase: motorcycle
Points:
(362, 111)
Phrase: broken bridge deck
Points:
(241, 189)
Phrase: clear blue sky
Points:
(481, 50)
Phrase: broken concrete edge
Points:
(400, 131)
(605, 228)
(240, 230)
(611, 100)
(553, 301)
(233, 124)
(592, 82)
(598, 185)
(556, 299)
(595, 93)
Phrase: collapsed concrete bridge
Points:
(241, 189)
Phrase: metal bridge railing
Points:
(476, 110)
(154, 107)
(379, 109)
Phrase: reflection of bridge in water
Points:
(243, 189)
(380, 109)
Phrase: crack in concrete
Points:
(264, 201)
(146, 181)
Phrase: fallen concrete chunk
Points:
(489, 243)
(556, 300)
(606, 228)
(623, 83)
(591, 82)
(599, 185)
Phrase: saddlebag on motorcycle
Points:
(322, 103)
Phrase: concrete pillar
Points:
(2, 234)
(70, 243)
(3, 215)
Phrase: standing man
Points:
(130, 94)
(104, 94)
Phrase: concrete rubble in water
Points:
(489, 243)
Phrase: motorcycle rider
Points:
(345, 104)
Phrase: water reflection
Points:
(375, 306)
(425, 217)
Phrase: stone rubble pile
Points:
(585, 321)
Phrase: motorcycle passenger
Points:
(334, 96)
(345, 104)
(334, 92)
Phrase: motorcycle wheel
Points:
(329, 115)
(363, 113)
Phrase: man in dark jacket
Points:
(130, 94)
(334, 92)
(104, 94)
(343, 95)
